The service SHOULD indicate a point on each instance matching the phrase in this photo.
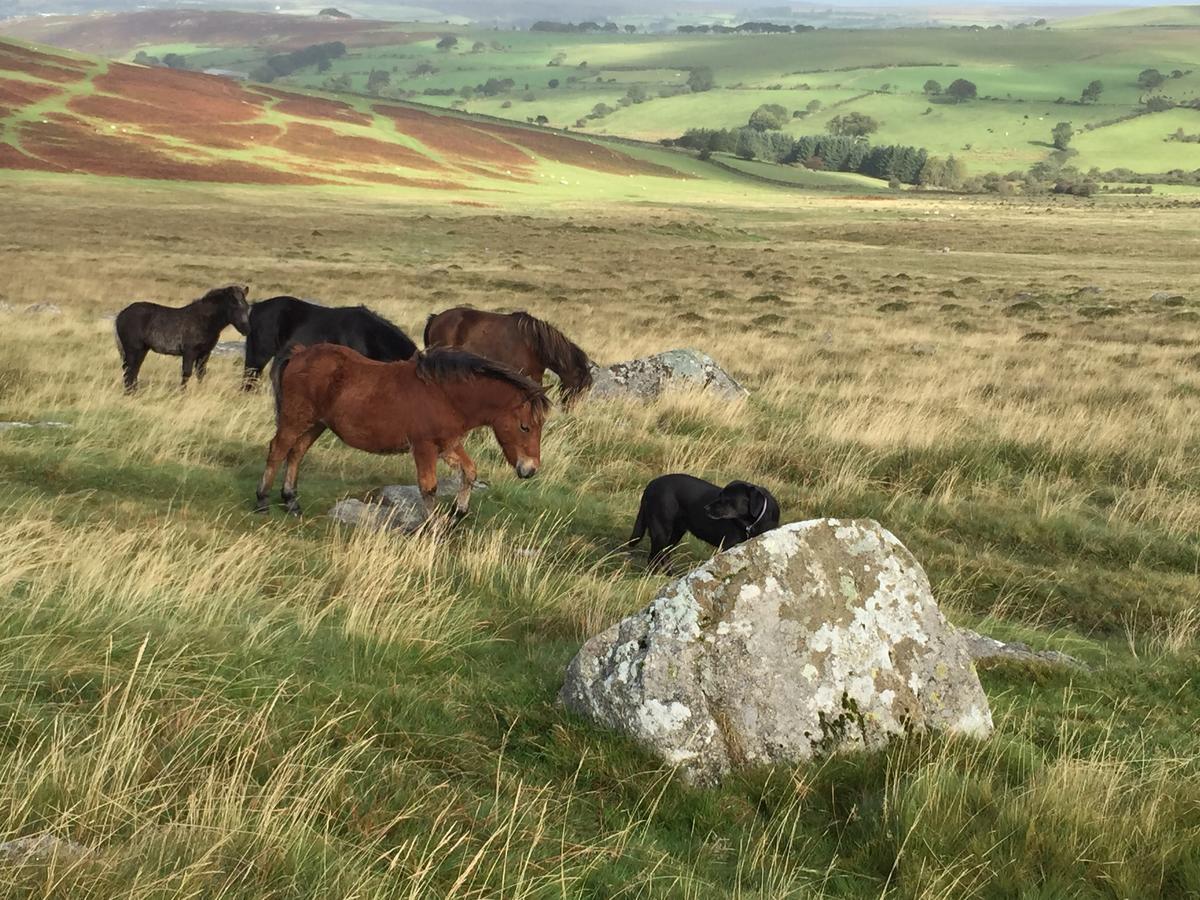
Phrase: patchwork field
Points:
(219, 704)
(1027, 79)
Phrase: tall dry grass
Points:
(224, 705)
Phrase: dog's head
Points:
(751, 506)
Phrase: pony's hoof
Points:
(294, 510)
(262, 507)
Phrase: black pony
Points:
(190, 331)
(280, 323)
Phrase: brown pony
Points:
(426, 404)
(516, 339)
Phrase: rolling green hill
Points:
(1146, 16)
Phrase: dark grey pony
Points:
(190, 331)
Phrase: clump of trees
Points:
(378, 80)
(768, 117)
(852, 124)
(169, 60)
(1061, 135)
(950, 173)
(447, 43)
(700, 79)
(834, 153)
(1092, 92)
(961, 89)
(932, 88)
(283, 64)
(1150, 79)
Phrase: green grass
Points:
(1143, 140)
(1154, 16)
(800, 177)
(227, 705)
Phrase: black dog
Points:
(673, 505)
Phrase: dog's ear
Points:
(759, 501)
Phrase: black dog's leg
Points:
(663, 538)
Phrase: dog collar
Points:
(750, 528)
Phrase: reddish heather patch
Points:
(476, 203)
(454, 137)
(179, 123)
(324, 144)
(316, 107)
(184, 96)
(77, 147)
(12, 158)
(571, 152)
(40, 65)
(22, 93)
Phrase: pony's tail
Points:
(118, 342)
(639, 529)
(277, 367)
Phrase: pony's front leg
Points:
(426, 457)
(466, 469)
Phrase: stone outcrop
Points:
(651, 376)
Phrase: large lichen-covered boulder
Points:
(817, 637)
(651, 376)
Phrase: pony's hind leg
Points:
(285, 438)
(189, 361)
(292, 473)
(458, 458)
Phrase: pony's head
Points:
(518, 430)
(515, 410)
(566, 359)
(232, 300)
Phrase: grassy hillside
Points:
(1020, 74)
(70, 113)
(1181, 16)
(221, 704)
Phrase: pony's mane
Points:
(558, 353)
(222, 294)
(443, 364)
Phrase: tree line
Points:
(832, 152)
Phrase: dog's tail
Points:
(639, 529)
